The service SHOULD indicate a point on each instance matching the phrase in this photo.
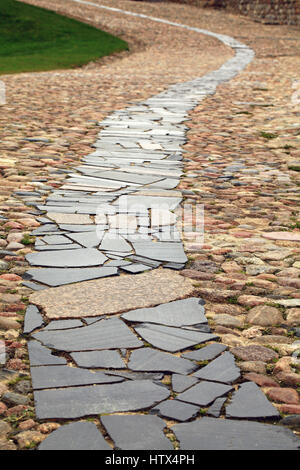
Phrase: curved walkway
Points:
(159, 359)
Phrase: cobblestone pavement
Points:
(209, 329)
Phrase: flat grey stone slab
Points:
(178, 313)
(75, 436)
(161, 251)
(181, 382)
(63, 324)
(135, 268)
(78, 228)
(137, 432)
(222, 369)
(33, 319)
(174, 409)
(126, 178)
(171, 339)
(224, 434)
(71, 246)
(147, 202)
(105, 334)
(250, 402)
(41, 356)
(150, 360)
(87, 239)
(83, 257)
(112, 242)
(207, 353)
(55, 277)
(99, 359)
(204, 393)
(65, 376)
(76, 402)
(56, 240)
(215, 409)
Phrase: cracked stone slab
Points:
(65, 376)
(75, 436)
(33, 319)
(76, 402)
(171, 339)
(204, 393)
(150, 360)
(82, 257)
(215, 409)
(105, 334)
(90, 298)
(137, 432)
(184, 312)
(55, 277)
(41, 356)
(207, 353)
(250, 402)
(222, 369)
(99, 359)
(224, 434)
(174, 409)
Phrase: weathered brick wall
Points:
(267, 11)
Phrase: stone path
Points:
(159, 362)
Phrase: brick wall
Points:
(267, 11)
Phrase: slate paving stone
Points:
(77, 402)
(56, 240)
(87, 239)
(63, 324)
(207, 353)
(204, 393)
(215, 409)
(174, 409)
(178, 313)
(161, 251)
(136, 375)
(181, 382)
(111, 242)
(75, 436)
(126, 178)
(147, 202)
(224, 434)
(251, 403)
(33, 319)
(99, 359)
(41, 356)
(148, 359)
(58, 276)
(137, 432)
(171, 339)
(83, 257)
(71, 246)
(65, 376)
(135, 268)
(77, 228)
(105, 334)
(222, 369)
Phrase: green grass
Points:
(34, 39)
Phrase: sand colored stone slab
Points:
(79, 219)
(92, 298)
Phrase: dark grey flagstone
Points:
(56, 240)
(160, 251)
(207, 353)
(181, 382)
(135, 268)
(78, 228)
(178, 313)
(83, 257)
(75, 436)
(125, 177)
(150, 360)
(171, 339)
(76, 402)
(87, 239)
(115, 243)
(71, 246)
(105, 334)
(224, 434)
(215, 409)
(174, 409)
(222, 369)
(137, 432)
(33, 319)
(99, 359)
(63, 324)
(60, 276)
(41, 356)
(65, 376)
(250, 402)
(204, 393)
